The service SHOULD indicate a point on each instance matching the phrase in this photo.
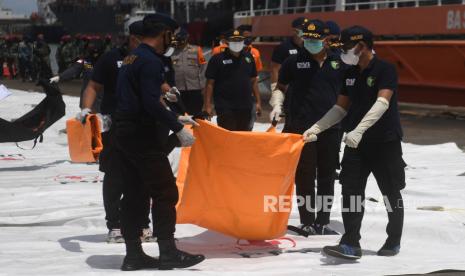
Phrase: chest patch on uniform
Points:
(227, 61)
(303, 65)
(119, 63)
(335, 64)
(248, 60)
(293, 52)
(371, 81)
(350, 82)
(129, 59)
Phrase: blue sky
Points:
(20, 6)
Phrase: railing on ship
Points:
(374, 5)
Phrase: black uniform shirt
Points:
(314, 89)
(106, 74)
(362, 88)
(284, 50)
(169, 71)
(138, 89)
(232, 76)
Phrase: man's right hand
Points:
(55, 79)
(208, 110)
(310, 135)
(275, 114)
(81, 116)
(185, 137)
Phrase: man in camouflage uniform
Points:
(12, 55)
(3, 53)
(41, 52)
(25, 59)
(70, 53)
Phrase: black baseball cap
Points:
(235, 35)
(333, 28)
(136, 28)
(244, 28)
(314, 29)
(152, 23)
(297, 23)
(353, 35)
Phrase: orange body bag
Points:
(84, 140)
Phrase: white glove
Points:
(172, 95)
(353, 138)
(275, 114)
(185, 137)
(81, 116)
(187, 120)
(55, 79)
(277, 96)
(332, 117)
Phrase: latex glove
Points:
(275, 114)
(353, 138)
(172, 95)
(81, 116)
(310, 135)
(187, 120)
(55, 79)
(185, 137)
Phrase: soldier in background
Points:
(70, 53)
(41, 57)
(25, 59)
(189, 66)
(108, 43)
(12, 55)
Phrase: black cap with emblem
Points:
(314, 29)
(235, 35)
(353, 35)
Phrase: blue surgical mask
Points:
(313, 46)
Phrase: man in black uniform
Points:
(315, 77)
(290, 46)
(103, 80)
(231, 80)
(373, 143)
(145, 166)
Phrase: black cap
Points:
(244, 28)
(136, 28)
(235, 35)
(152, 23)
(351, 36)
(297, 23)
(314, 29)
(333, 28)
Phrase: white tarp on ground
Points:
(52, 218)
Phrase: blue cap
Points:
(314, 29)
(162, 19)
(333, 28)
(136, 28)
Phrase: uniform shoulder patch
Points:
(335, 64)
(303, 65)
(371, 81)
(293, 52)
(248, 60)
(129, 59)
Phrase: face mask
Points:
(169, 52)
(236, 46)
(313, 46)
(350, 58)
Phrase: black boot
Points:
(136, 258)
(171, 257)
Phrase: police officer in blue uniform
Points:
(315, 77)
(146, 169)
(103, 81)
(373, 142)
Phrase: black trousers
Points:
(193, 101)
(234, 120)
(146, 171)
(113, 187)
(318, 161)
(385, 161)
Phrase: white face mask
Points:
(169, 52)
(350, 58)
(236, 46)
